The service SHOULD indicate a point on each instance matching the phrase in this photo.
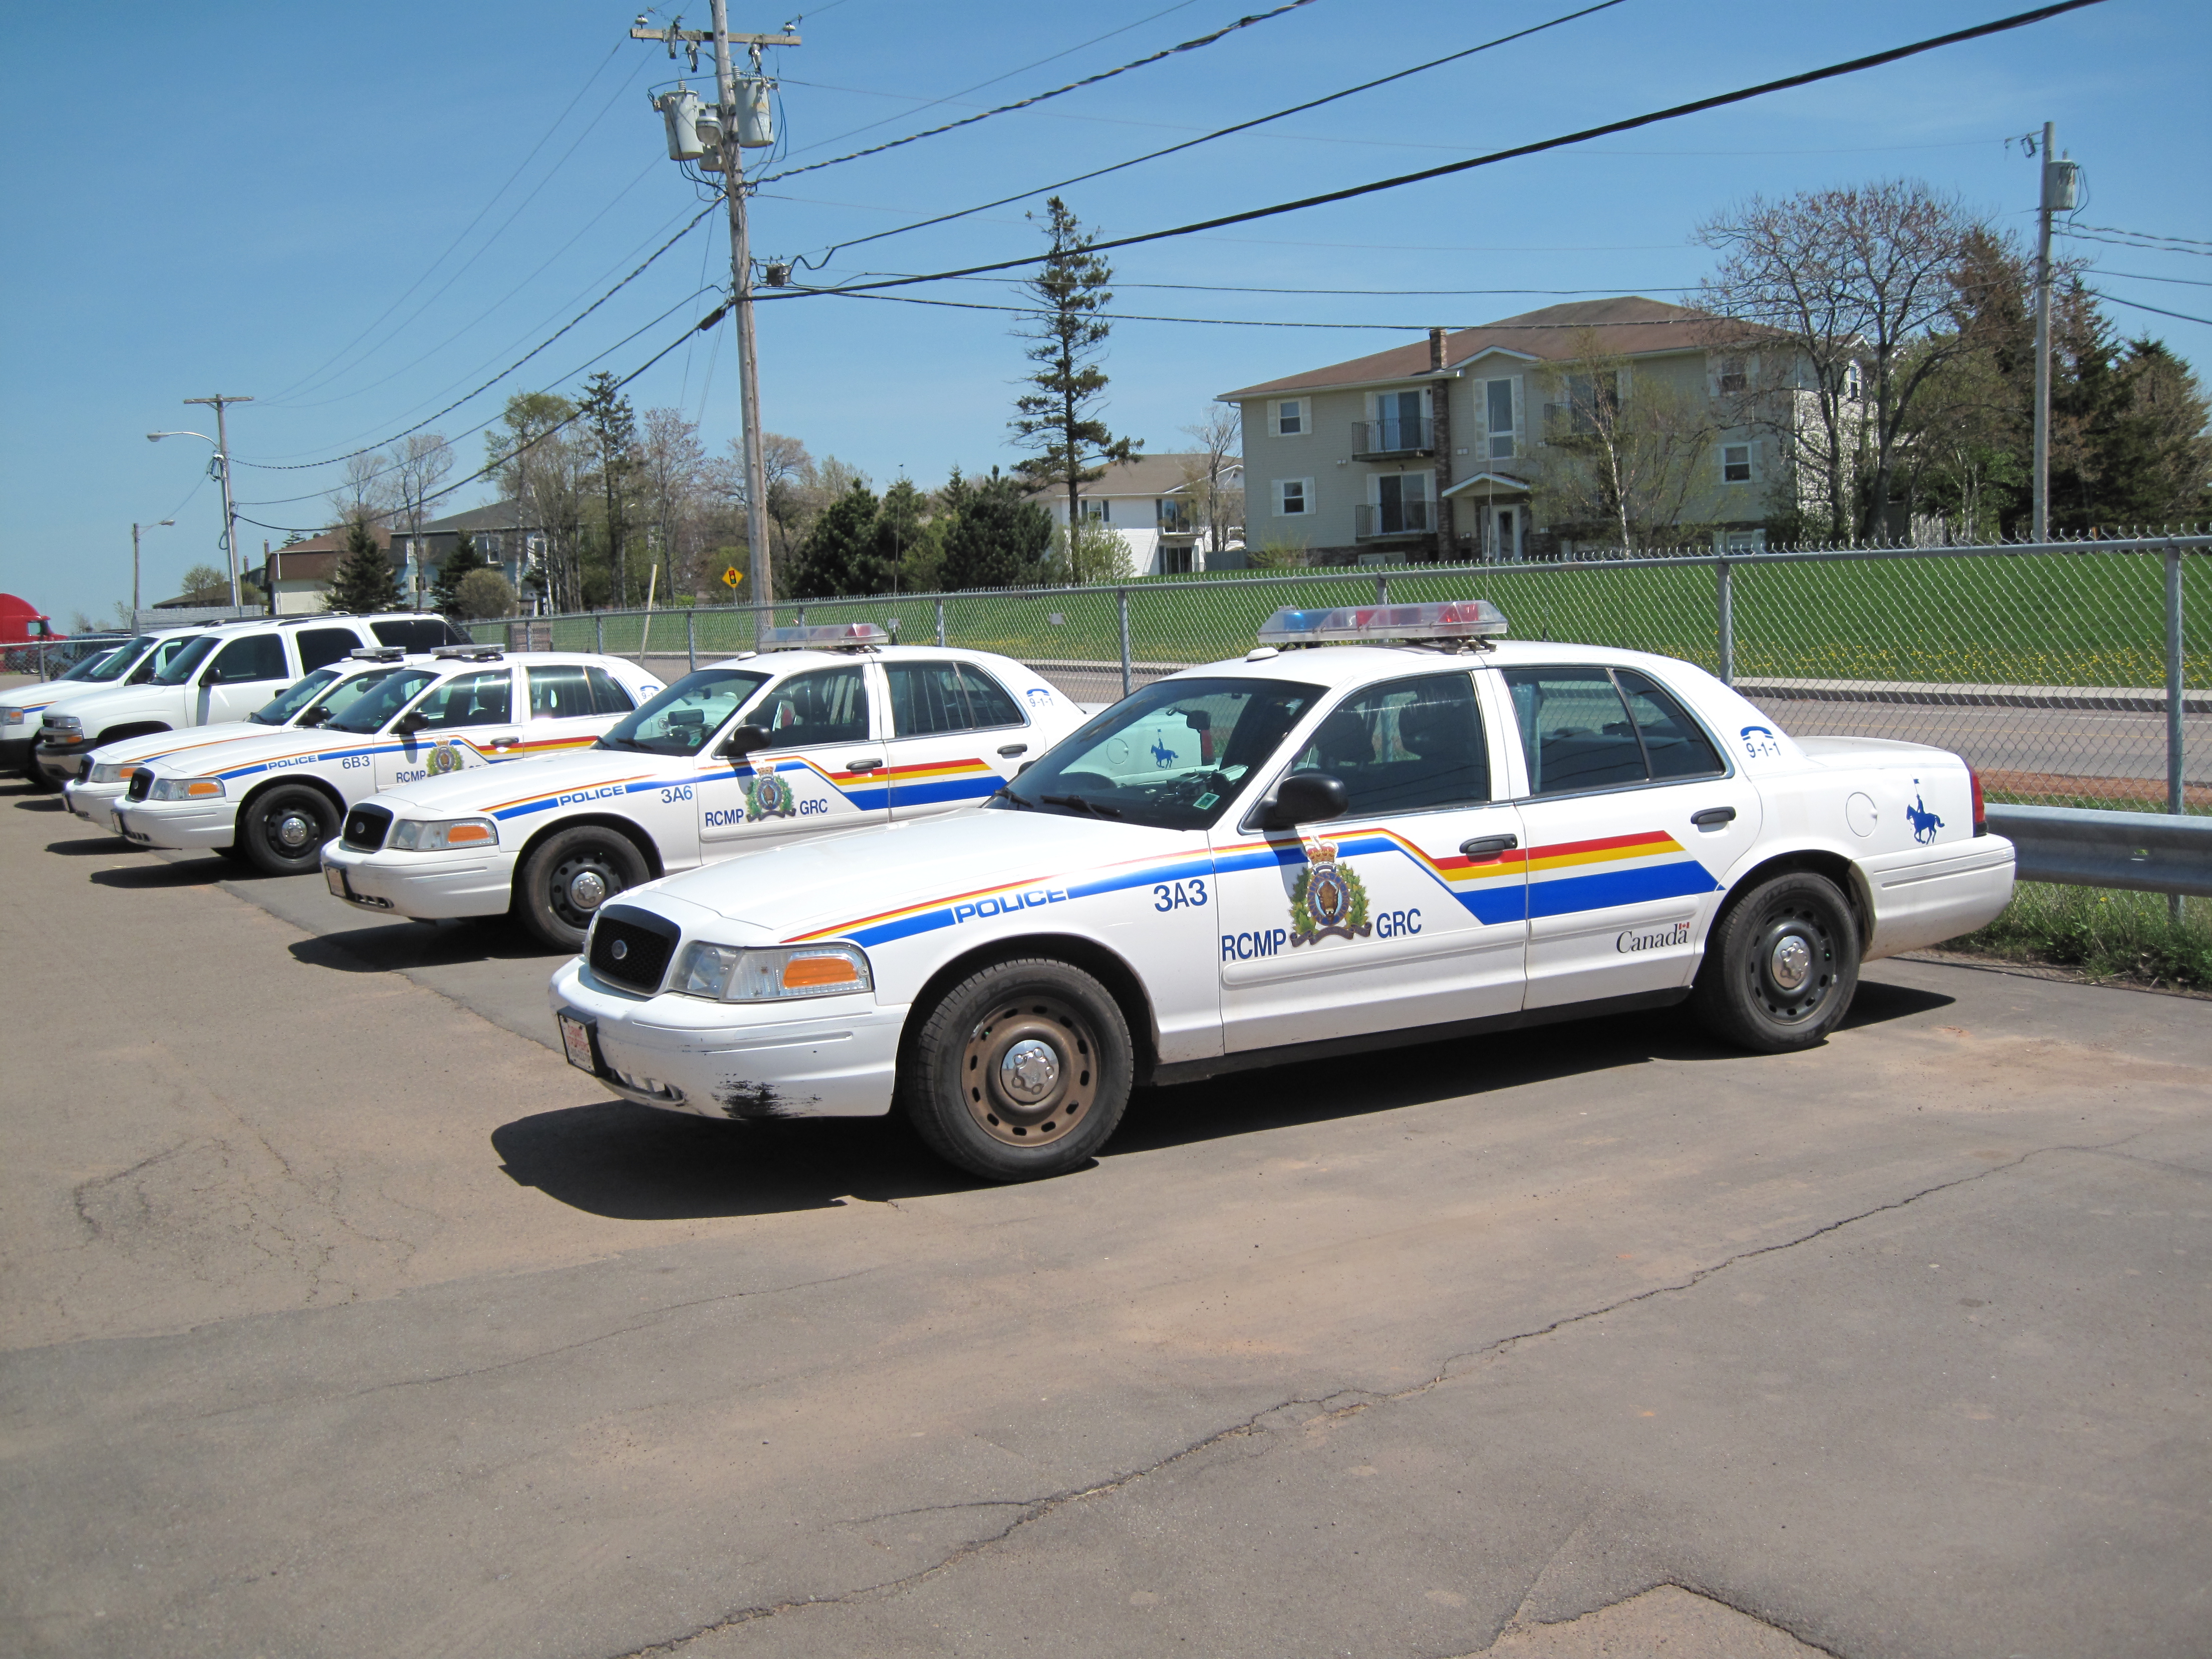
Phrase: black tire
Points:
(1792, 925)
(38, 777)
(555, 896)
(956, 1081)
(284, 831)
(233, 853)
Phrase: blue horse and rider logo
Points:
(1924, 822)
(1163, 757)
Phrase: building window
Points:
(1175, 561)
(1094, 511)
(1850, 383)
(1173, 516)
(1291, 418)
(1732, 375)
(1736, 463)
(1498, 406)
(1293, 497)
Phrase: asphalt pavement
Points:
(341, 1318)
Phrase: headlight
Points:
(12, 717)
(111, 771)
(186, 788)
(725, 973)
(412, 835)
(69, 724)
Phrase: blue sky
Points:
(357, 214)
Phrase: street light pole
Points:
(222, 476)
(135, 529)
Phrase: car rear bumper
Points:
(731, 1061)
(1936, 893)
(426, 886)
(184, 827)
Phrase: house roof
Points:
(492, 516)
(1145, 475)
(1629, 326)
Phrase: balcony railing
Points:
(1402, 434)
(1393, 519)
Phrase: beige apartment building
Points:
(1437, 451)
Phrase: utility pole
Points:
(223, 476)
(729, 154)
(2057, 195)
(135, 529)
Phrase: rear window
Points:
(320, 646)
(418, 633)
(1594, 728)
(608, 694)
(932, 697)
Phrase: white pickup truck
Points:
(222, 674)
(133, 662)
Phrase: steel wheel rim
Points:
(574, 908)
(291, 831)
(1793, 940)
(1016, 1026)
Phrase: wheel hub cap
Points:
(1792, 961)
(587, 889)
(293, 830)
(1029, 1071)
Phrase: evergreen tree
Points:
(612, 424)
(364, 581)
(909, 547)
(839, 554)
(458, 564)
(1060, 417)
(998, 539)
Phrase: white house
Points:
(1148, 502)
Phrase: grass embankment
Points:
(2106, 933)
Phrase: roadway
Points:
(341, 1318)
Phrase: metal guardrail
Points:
(2149, 852)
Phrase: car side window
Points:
(926, 699)
(1405, 745)
(1672, 743)
(418, 633)
(1575, 729)
(468, 699)
(559, 691)
(989, 703)
(608, 696)
(257, 657)
(829, 705)
(321, 646)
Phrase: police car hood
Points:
(481, 790)
(269, 746)
(178, 747)
(841, 880)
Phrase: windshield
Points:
(89, 669)
(1174, 756)
(280, 708)
(116, 665)
(179, 669)
(393, 692)
(681, 719)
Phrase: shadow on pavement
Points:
(633, 1164)
(389, 947)
(28, 801)
(90, 845)
(158, 873)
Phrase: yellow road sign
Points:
(732, 576)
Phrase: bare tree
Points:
(1831, 302)
(1212, 482)
(416, 467)
(1625, 449)
(539, 461)
(369, 493)
(673, 468)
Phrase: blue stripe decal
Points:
(1563, 896)
(928, 794)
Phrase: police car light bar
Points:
(829, 636)
(378, 652)
(469, 653)
(1446, 619)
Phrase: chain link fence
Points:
(2070, 674)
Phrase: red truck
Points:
(23, 630)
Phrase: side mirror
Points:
(743, 740)
(410, 722)
(1305, 797)
(315, 716)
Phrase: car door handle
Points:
(504, 743)
(1489, 846)
(1008, 750)
(1713, 816)
(863, 765)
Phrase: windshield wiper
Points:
(1082, 804)
(1005, 792)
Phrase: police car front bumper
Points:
(177, 827)
(426, 886)
(91, 801)
(837, 1057)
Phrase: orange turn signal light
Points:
(466, 832)
(803, 973)
(203, 786)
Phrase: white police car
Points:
(833, 728)
(308, 703)
(278, 797)
(1350, 848)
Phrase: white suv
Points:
(133, 662)
(222, 674)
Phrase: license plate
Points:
(335, 879)
(576, 1039)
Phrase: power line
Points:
(1340, 293)
(1699, 320)
(2132, 275)
(2142, 247)
(1808, 77)
(1219, 132)
(330, 460)
(1039, 98)
(2147, 235)
(2137, 305)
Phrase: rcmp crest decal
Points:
(442, 758)
(1329, 900)
(768, 796)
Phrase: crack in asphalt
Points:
(1335, 1405)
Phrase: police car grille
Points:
(140, 785)
(645, 943)
(366, 828)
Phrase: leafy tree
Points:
(1095, 553)
(997, 536)
(839, 554)
(459, 563)
(482, 594)
(364, 581)
(1625, 452)
(1060, 418)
